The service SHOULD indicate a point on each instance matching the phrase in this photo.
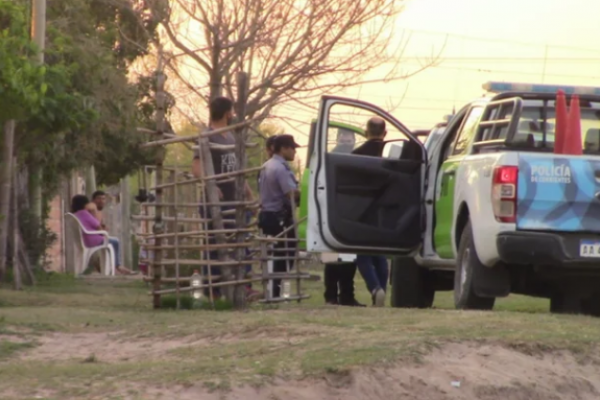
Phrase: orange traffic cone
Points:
(573, 143)
(561, 123)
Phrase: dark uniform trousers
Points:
(339, 278)
(272, 224)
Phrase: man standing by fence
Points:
(277, 187)
(224, 160)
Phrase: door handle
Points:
(450, 173)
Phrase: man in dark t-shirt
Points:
(374, 269)
(375, 135)
(224, 161)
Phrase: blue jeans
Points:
(374, 270)
(114, 242)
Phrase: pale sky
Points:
(541, 41)
(537, 41)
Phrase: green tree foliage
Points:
(83, 106)
(22, 85)
(92, 117)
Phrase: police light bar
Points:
(500, 87)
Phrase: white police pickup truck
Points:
(487, 211)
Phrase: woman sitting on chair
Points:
(83, 210)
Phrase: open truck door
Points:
(359, 137)
(359, 204)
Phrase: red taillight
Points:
(504, 193)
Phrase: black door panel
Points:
(374, 201)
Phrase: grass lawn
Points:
(69, 338)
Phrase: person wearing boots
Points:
(277, 186)
(339, 276)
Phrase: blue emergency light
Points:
(500, 87)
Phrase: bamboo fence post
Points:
(264, 254)
(296, 258)
(212, 194)
(201, 135)
(206, 239)
(176, 240)
(158, 227)
(170, 195)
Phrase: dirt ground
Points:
(69, 339)
(464, 371)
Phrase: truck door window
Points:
(345, 121)
(467, 132)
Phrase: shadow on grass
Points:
(187, 302)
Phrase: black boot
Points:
(346, 275)
(331, 284)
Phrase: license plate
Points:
(589, 248)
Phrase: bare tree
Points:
(293, 50)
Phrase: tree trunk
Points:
(159, 225)
(38, 35)
(18, 281)
(212, 195)
(35, 191)
(215, 77)
(90, 181)
(5, 186)
(239, 296)
(126, 223)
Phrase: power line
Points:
(485, 70)
(513, 59)
(500, 40)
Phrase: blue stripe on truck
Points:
(558, 194)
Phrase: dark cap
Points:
(270, 141)
(285, 141)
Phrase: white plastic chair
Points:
(87, 252)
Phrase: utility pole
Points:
(38, 35)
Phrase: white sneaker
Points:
(378, 298)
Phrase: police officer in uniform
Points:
(277, 186)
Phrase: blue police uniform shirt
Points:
(275, 183)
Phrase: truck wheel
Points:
(591, 305)
(466, 266)
(412, 285)
(565, 303)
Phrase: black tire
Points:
(467, 264)
(412, 285)
(564, 303)
(591, 305)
